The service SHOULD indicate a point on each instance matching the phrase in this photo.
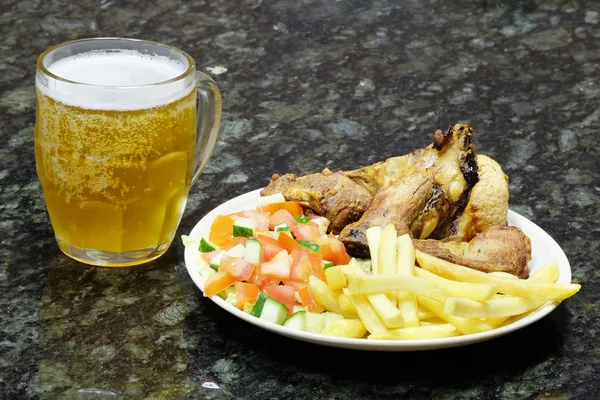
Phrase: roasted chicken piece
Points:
(381, 174)
(488, 202)
(426, 197)
(500, 248)
(330, 194)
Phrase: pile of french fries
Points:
(401, 301)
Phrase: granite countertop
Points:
(308, 84)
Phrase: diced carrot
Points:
(333, 250)
(293, 207)
(234, 241)
(288, 242)
(246, 292)
(221, 230)
(307, 300)
(217, 282)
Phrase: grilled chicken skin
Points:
(501, 248)
(330, 194)
(426, 197)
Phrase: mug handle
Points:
(208, 121)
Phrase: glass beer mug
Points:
(123, 128)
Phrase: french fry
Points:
(473, 291)
(383, 306)
(495, 308)
(424, 314)
(463, 325)
(405, 264)
(416, 333)
(386, 309)
(373, 236)
(521, 287)
(350, 328)
(372, 284)
(366, 313)
(386, 255)
(324, 295)
(346, 305)
(548, 273)
(335, 277)
(407, 304)
(501, 274)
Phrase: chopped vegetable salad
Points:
(262, 261)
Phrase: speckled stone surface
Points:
(308, 84)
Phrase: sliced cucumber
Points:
(238, 251)
(269, 309)
(328, 264)
(309, 245)
(253, 248)
(259, 305)
(274, 198)
(214, 263)
(206, 246)
(295, 321)
(282, 227)
(314, 322)
(244, 227)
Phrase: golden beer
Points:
(115, 170)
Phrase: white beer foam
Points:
(116, 80)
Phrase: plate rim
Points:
(376, 345)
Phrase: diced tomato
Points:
(262, 281)
(316, 262)
(234, 241)
(236, 267)
(283, 294)
(269, 247)
(246, 292)
(301, 266)
(333, 250)
(306, 232)
(317, 220)
(282, 216)
(278, 267)
(207, 257)
(221, 230)
(217, 282)
(288, 242)
(295, 284)
(293, 207)
(308, 301)
(261, 218)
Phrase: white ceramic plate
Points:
(544, 250)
